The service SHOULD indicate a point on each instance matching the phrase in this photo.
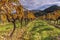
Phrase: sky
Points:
(39, 4)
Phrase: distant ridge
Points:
(52, 8)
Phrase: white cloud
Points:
(34, 4)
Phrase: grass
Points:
(5, 27)
(41, 30)
(9, 26)
(36, 30)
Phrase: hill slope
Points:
(41, 30)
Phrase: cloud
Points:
(34, 4)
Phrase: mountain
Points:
(44, 7)
(52, 8)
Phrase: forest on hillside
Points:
(19, 23)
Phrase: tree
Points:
(8, 8)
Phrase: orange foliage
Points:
(54, 15)
(31, 15)
(3, 17)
